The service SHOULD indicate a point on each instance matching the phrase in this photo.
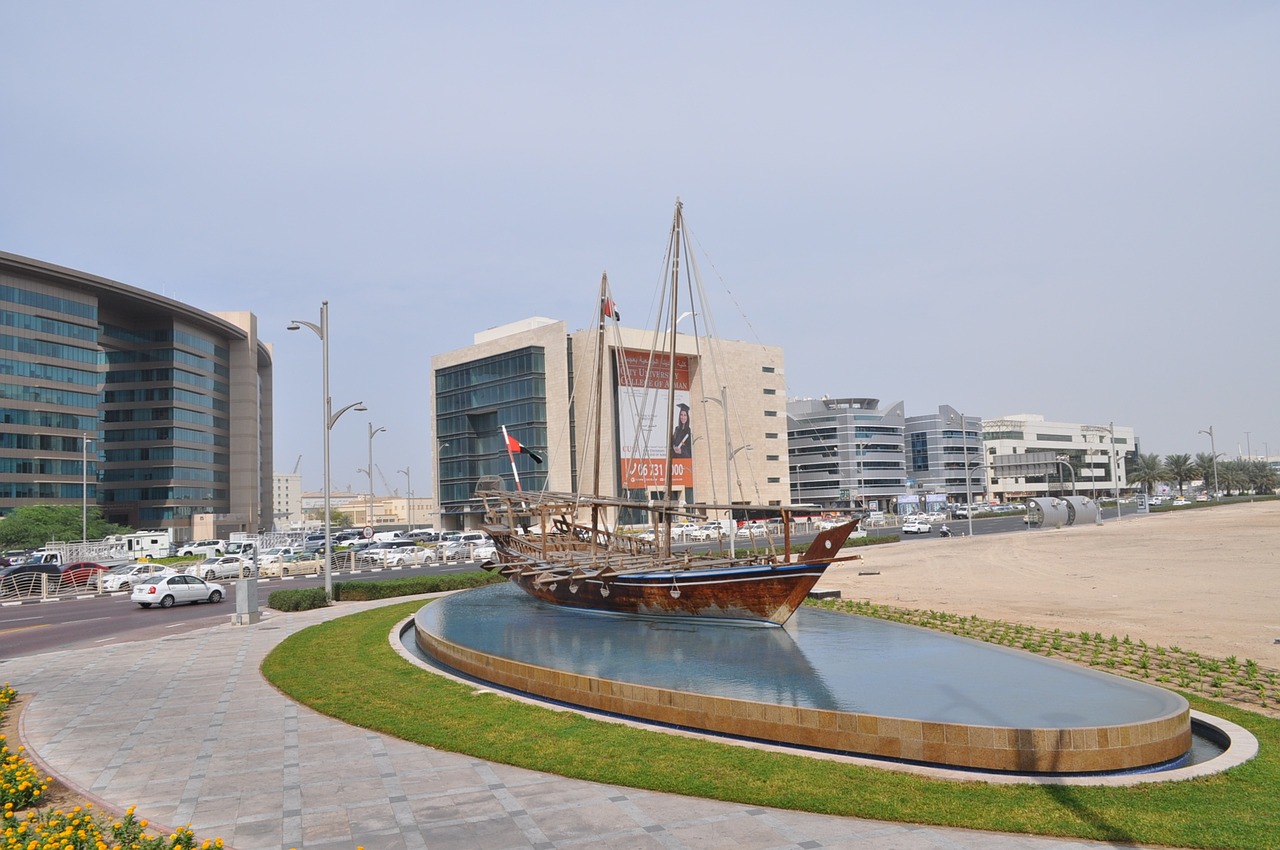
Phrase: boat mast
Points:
(677, 230)
(598, 404)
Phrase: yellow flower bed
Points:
(26, 827)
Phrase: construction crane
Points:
(297, 464)
(385, 482)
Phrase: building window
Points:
(772, 457)
(770, 391)
(771, 435)
(768, 370)
(775, 480)
(771, 413)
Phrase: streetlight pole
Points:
(408, 489)
(733, 532)
(968, 472)
(440, 447)
(1213, 447)
(84, 487)
(373, 432)
(322, 330)
(1063, 460)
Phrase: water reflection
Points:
(820, 660)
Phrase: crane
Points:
(385, 482)
(297, 464)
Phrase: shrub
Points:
(350, 591)
(298, 600)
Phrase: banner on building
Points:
(646, 425)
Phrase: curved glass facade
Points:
(169, 406)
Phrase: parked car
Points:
(1178, 502)
(28, 579)
(165, 591)
(127, 575)
(393, 553)
(205, 548)
(273, 557)
(81, 574)
(753, 527)
(227, 566)
(710, 531)
(917, 526)
(379, 552)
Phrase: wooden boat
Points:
(557, 547)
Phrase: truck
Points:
(243, 548)
(157, 543)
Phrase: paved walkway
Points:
(186, 729)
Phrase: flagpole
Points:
(506, 441)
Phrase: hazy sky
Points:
(1068, 209)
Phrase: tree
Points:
(337, 519)
(1204, 470)
(1148, 471)
(32, 526)
(1180, 469)
(1233, 475)
(1260, 475)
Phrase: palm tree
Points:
(1204, 471)
(1180, 469)
(1234, 475)
(1148, 471)
(1262, 478)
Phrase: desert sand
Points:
(1206, 579)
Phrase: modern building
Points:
(536, 379)
(941, 446)
(287, 501)
(846, 452)
(151, 409)
(1028, 456)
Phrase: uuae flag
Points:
(514, 447)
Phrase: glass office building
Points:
(151, 409)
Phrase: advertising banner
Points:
(646, 424)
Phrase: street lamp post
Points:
(1065, 461)
(408, 486)
(84, 487)
(1213, 447)
(723, 401)
(373, 432)
(322, 330)
(968, 472)
(440, 447)
(733, 532)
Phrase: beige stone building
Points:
(536, 378)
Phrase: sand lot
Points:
(1206, 579)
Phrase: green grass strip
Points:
(345, 669)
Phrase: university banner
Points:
(645, 424)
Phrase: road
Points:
(91, 620)
(68, 623)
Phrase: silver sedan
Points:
(167, 590)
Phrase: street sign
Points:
(367, 532)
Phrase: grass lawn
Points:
(346, 669)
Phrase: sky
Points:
(1068, 209)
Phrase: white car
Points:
(916, 526)
(119, 578)
(1178, 502)
(228, 566)
(207, 548)
(707, 532)
(166, 591)
(754, 527)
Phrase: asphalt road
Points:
(35, 627)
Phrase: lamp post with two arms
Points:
(322, 330)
